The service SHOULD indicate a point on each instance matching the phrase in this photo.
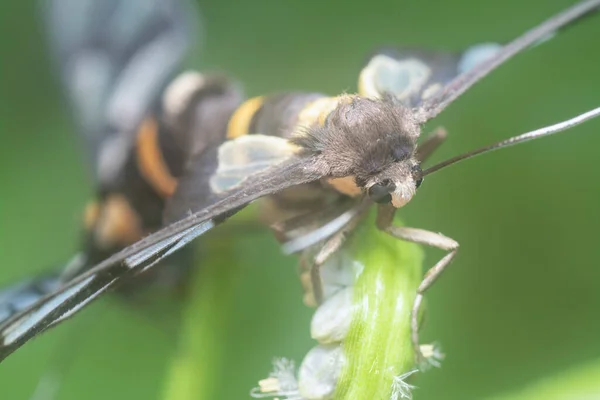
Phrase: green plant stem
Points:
(195, 371)
(378, 346)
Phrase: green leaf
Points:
(579, 383)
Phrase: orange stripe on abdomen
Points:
(150, 160)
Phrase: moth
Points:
(354, 150)
(120, 64)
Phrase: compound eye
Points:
(418, 182)
(381, 192)
(417, 174)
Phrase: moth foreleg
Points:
(384, 222)
(314, 264)
(431, 143)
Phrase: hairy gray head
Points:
(372, 140)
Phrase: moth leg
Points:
(331, 245)
(308, 220)
(385, 217)
(431, 143)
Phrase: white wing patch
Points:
(247, 155)
(402, 78)
(477, 54)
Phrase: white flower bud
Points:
(319, 372)
(331, 321)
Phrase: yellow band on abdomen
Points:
(239, 124)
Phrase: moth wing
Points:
(83, 289)
(414, 75)
(114, 57)
(432, 80)
(439, 99)
(221, 168)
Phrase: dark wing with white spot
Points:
(74, 295)
(221, 168)
(413, 75)
(114, 58)
(436, 103)
(432, 80)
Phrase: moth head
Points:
(377, 145)
(395, 185)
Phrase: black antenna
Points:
(538, 133)
(461, 83)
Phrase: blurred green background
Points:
(521, 301)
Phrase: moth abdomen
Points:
(274, 115)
